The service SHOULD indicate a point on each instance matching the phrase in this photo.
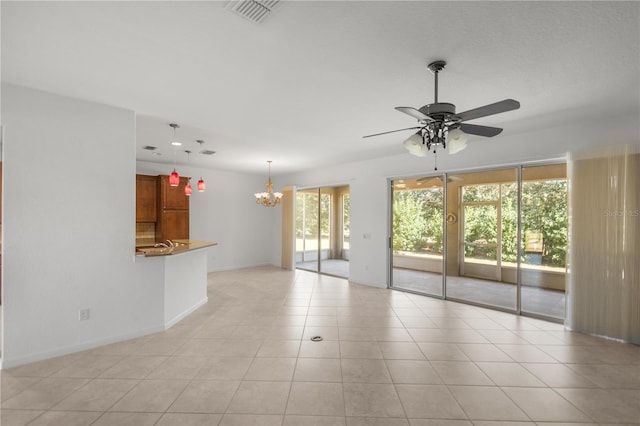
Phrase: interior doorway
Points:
(322, 228)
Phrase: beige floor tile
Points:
(217, 331)
(486, 403)
(151, 396)
(504, 423)
(376, 421)
(134, 367)
(188, 419)
(400, 350)
(323, 349)
(199, 347)
(224, 368)
(412, 372)
(526, 353)
(279, 348)
(239, 348)
(249, 332)
(429, 401)
(460, 373)
(260, 398)
(44, 394)
(89, 366)
(545, 405)
(323, 310)
(484, 352)
(295, 420)
(444, 422)
(389, 334)
(11, 386)
(371, 400)
(358, 334)
(442, 352)
(274, 369)
(509, 374)
(610, 376)
(503, 337)
(362, 350)
(178, 367)
(160, 346)
(17, 417)
(127, 419)
(365, 371)
(97, 395)
(559, 376)
(251, 420)
(605, 405)
(321, 321)
(42, 368)
(205, 396)
(66, 418)
(316, 399)
(285, 333)
(318, 370)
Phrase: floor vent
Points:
(253, 10)
(207, 152)
(149, 147)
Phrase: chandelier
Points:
(269, 198)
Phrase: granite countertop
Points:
(181, 246)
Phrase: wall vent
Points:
(207, 152)
(149, 147)
(253, 10)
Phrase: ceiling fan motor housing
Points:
(446, 110)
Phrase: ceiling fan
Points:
(439, 125)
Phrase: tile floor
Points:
(388, 358)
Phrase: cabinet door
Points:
(172, 197)
(146, 198)
(175, 224)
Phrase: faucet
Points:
(169, 246)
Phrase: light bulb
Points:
(457, 141)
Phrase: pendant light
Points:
(201, 185)
(187, 189)
(174, 177)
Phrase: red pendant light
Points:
(187, 189)
(201, 185)
(174, 178)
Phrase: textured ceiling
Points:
(304, 86)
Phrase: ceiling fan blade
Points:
(414, 113)
(473, 129)
(483, 111)
(393, 131)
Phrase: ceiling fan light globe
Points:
(456, 140)
(415, 145)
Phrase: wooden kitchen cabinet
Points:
(146, 198)
(172, 197)
(173, 210)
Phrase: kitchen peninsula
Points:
(182, 271)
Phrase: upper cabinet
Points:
(172, 197)
(146, 198)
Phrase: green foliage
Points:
(417, 221)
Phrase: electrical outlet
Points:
(84, 314)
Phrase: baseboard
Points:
(9, 363)
(180, 317)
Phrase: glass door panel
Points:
(307, 221)
(417, 235)
(481, 247)
(544, 240)
(320, 230)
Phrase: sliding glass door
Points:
(322, 230)
(417, 237)
(500, 235)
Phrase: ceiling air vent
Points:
(253, 10)
(207, 152)
(149, 147)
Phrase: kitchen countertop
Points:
(181, 246)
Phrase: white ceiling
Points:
(304, 86)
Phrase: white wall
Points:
(368, 180)
(227, 213)
(69, 228)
